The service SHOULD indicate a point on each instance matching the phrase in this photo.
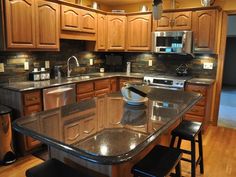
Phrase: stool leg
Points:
(200, 152)
(178, 170)
(179, 143)
(193, 160)
(172, 142)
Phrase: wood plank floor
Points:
(219, 156)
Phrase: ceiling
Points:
(121, 2)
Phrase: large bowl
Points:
(131, 96)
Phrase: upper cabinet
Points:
(139, 32)
(32, 24)
(77, 23)
(20, 23)
(70, 18)
(88, 21)
(102, 32)
(204, 31)
(174, 21)
(47, 25)
(116, 32)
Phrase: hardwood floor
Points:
(219, 145)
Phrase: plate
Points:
(135, 103)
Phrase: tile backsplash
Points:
(112, 62)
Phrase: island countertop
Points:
(107, 130)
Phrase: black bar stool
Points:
(53, 168)
(189, 130)
(159, 162)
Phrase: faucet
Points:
(68, 65)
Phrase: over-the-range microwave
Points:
(172, 42)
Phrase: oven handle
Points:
(166, 87)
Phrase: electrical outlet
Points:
(1, 67)
(91, 61)
(47, 64)
(149, 62)
(207, 65)
(26, 65)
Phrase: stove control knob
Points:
(177, 83)
(181, 83)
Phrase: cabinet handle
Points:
(88, 132)
(117, 123)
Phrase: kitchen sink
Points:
(82, 77)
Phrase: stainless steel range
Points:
(171, 82)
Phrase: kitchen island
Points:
(106, 134)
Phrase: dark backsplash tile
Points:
(112, 62)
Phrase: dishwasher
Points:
(58, 96)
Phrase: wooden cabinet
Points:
(174, 21)
(31, 104)
(20, 23)
(115, 108)
(124, 80)
(70, 18)
(89, 124)
(116, 32)
(72, 132)
(101, 112)
(85, 90)
(139, 32)
(204, 31)
(114, 85)
(88, 21)
(202, 110)
(32, 24)
(102, 32)
(47, 25)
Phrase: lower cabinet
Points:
(201, 112)
(101, 112)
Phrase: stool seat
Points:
(187, 129)
(158, 163)
(53, 168)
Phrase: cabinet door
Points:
(47, 25)
(101, 112)
(20, 23)
(163, 23)
(88, 21)
(114, 85)
(182, 20)
(204, 28)
(70, 18)
(116, 32)
(89, 125)
(102, 32)
(72, 132)
(115, 107)
(139, 32)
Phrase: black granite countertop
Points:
(201, 81)
(33, 85)
(114, 137)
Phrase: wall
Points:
(229, 76)
(231, 26)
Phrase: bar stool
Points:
(53, 168)
(159, 162)
(189, 130)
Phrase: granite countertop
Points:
(201, 81)
(32, 85)
(128, 129)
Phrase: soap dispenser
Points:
(128, 67)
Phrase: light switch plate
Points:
(91, 61)
(26, 65)
(207, 65)
(47, 64)
(1, 67)
(149, 62)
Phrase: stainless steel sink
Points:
(82, 77)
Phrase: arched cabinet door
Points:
(47, 25)
(102, 32)
(116, 32)
(182, 20)
(204, 31)
(70, 18)
(88, 21)
(139, 32)
(20, 23)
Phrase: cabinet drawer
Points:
(85, 87)
(102, 84)
(31, 98)
(85, 96)
(193, 118)
(32, 109)
(196, 88)
(197, 110)
(201, 102)
(102, 92)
